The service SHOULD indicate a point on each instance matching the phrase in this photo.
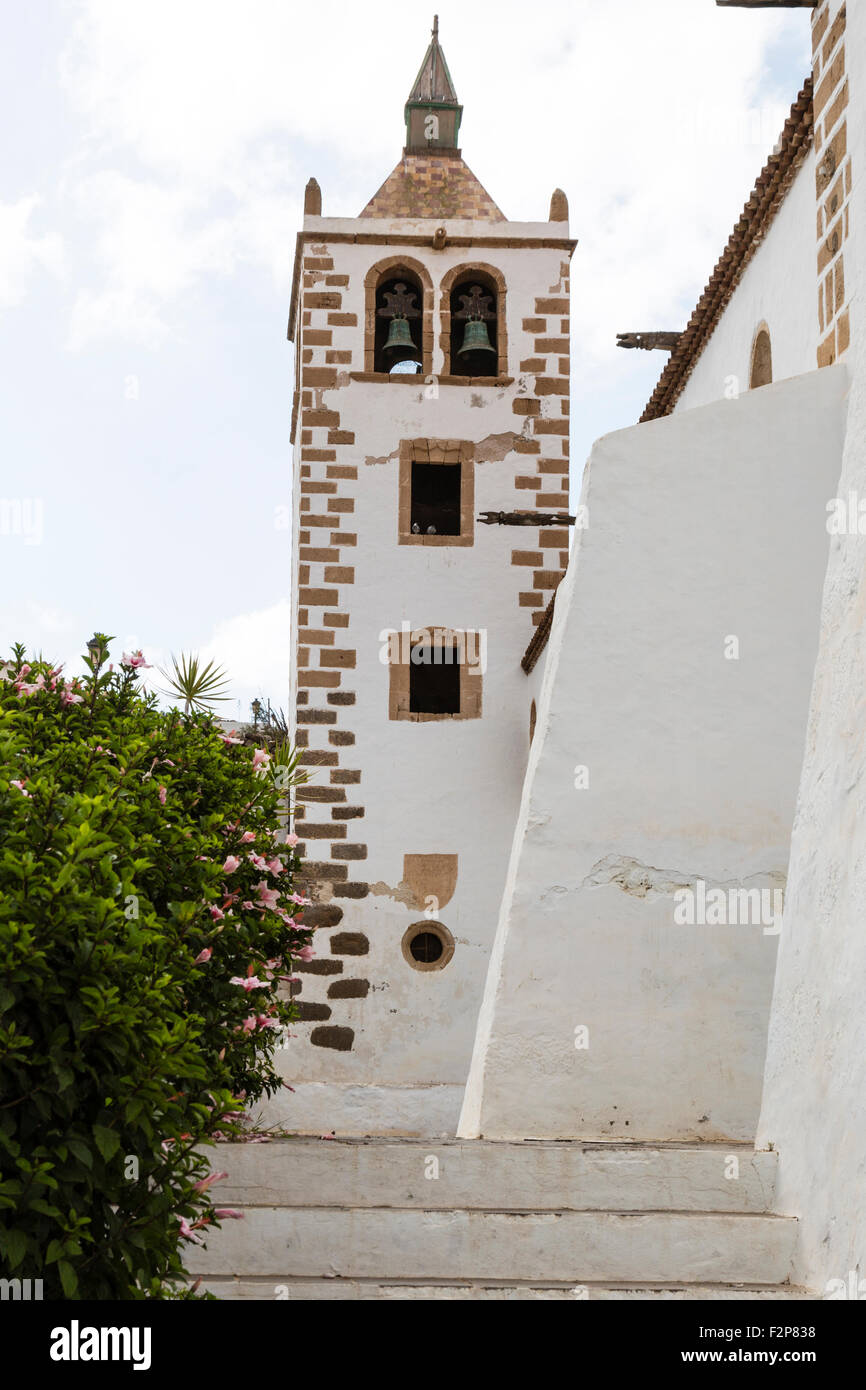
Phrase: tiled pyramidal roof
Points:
(433, 185)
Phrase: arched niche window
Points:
(474, 349)
(473, 322)
(761, 370)
(398, 318)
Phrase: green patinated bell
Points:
(475, 339)
(399, 336)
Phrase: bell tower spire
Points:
(432, 110)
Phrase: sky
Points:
(150, 191)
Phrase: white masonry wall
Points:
(704, 525)
(814, 1108)
(777, 288)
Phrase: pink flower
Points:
(250, 1024)
(70, 699)
(292, 839)
(187, 1232)
(162, 795)
(20, 786)
(231, 864)
(306, 953)
(275, 866)
(302, 902)
(222, 1213)
(257, 859)
(216, 914)
(268, 897)
(228, 738)
(248, 837)
(248, 982)
(134, 660)
(261, 758)
(203, 956)
(205, 1183)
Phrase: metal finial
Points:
(435, 26)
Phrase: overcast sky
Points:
(150, 190)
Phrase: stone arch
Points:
(446, 288)
(389, 268)
(761, 365)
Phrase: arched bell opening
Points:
(399, 321)
(474, 326)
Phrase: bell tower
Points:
(432, 384)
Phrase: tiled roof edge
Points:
(539, 638)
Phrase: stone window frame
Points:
(446, 288)
(444, 451)
(389, 269)
(399, 672)
(433, 928)
(762, 331)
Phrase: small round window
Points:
(427, 946)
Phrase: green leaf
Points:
(106, 1140)
(14, 1246)
(81, 1151)
(68, 1278)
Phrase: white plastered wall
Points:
(706, 524)
(814, 1106)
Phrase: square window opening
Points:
(436, 489)
(434, 680)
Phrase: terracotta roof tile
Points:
(436, 185)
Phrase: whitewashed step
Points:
(562, 1246)
(541, 1176)
(329, 1290)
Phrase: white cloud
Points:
(21, 253)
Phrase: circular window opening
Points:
(425, 947)
(428, 946)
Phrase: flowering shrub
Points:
(147, 927)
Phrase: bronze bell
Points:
(399, 336)
(475, 338)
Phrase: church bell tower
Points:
(431, 343)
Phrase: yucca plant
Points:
(199, 685)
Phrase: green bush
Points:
(146, 928)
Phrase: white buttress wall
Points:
(704, 525)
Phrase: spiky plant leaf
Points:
(198, 684)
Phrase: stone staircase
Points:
(472, 1219)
